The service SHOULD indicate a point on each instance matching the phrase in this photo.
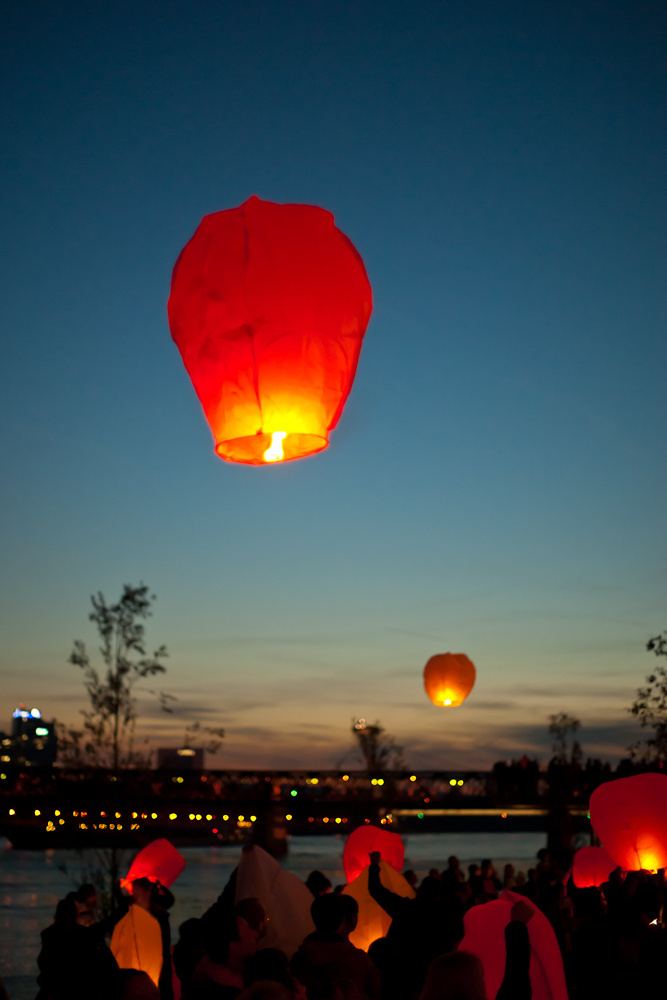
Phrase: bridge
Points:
(67, 808)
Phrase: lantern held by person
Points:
(629, 816)
(285, 899)
(136, 942)
(449, 678)
(591, 867)
(374, 922)
(365, 839)
(269, 304)
(158, 861)
(485, 937)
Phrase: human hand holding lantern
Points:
(370, 840)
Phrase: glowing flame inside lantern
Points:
(444, 696)
(275, 452)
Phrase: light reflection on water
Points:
(31, 883)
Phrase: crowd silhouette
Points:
(611, 941)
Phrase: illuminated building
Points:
(181, 759)
(32, 742)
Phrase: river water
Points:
(32, 882)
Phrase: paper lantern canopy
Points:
(373, 921)
(485, 937)
(592, 867)
(369, 838)
(285, 898)
(449, 678)
(136, 943)
(159, 861)
(268, 307)
(629, 816)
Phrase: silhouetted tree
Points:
(376, 748)
(106, 739)
(561, 727)
(650, 707)
(213, 735)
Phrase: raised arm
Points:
(390, 901)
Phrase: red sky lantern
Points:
(369, 838)
(592, 867)
(268, 307)
(485, 936)
(629, 816)
(158, 861)
(449, 679)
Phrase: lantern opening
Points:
(446, 698)
(279, 446)
(275, 452)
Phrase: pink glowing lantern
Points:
(592, 867)
(485, 937)
(629, 816)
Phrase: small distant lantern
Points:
(269, 304)
(592, 866)
(629, 816)
(449, 679)
(365, 839)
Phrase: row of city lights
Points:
(193, 817)
(178, 779)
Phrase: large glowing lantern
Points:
(591, 867)
(158, 861)
(268, 307)
(485, 936)
(449, 678)
(374, 922)
(136, 942)
(369, 838)
(629, 816)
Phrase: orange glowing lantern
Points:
(268, 307)
(591, 867)
(449, 678)
(369, 838)
(629, 816)
(136, 943)
(374, 922)
(158, 861)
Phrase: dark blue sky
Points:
(496, 484)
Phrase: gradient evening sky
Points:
(496, 484)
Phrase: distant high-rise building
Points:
(32, 742)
